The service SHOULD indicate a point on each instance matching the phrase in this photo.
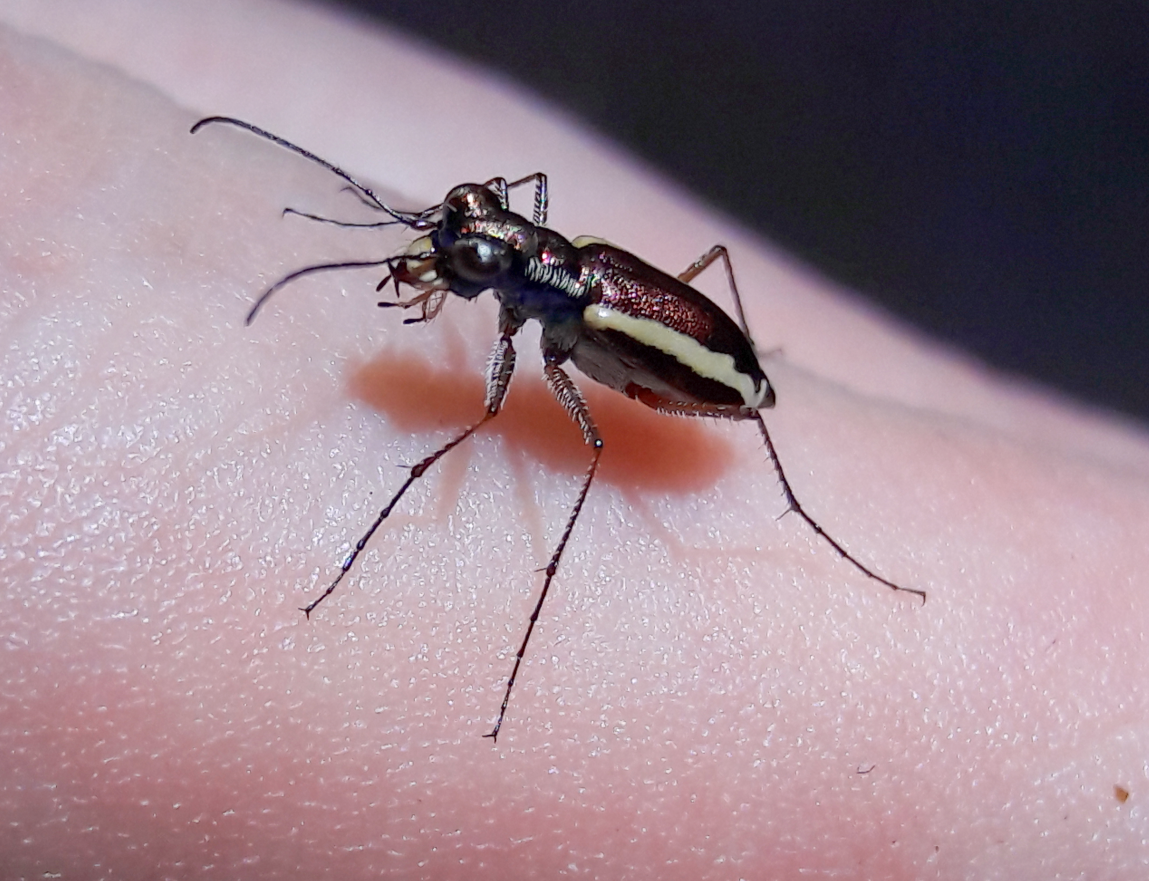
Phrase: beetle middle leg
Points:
(567, 394)
(542, 200)
(719, 252)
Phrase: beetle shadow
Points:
(645, 453)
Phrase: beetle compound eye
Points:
(478, 259)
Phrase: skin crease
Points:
(710, 693)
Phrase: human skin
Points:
(711, 692)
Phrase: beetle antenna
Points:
(346, 224)
(311, 270)
(413, 219)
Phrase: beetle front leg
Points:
(499, 371)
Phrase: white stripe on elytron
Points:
(686, 350)
(583, 241)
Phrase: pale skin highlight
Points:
(684, 712)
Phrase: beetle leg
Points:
(792, 504)
(567, 394)
(502, 190)
(796, 507)
(499, 371)
(719, 252)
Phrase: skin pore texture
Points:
(710, 693)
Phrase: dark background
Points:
(982, 170)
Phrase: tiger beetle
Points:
(619, 320)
